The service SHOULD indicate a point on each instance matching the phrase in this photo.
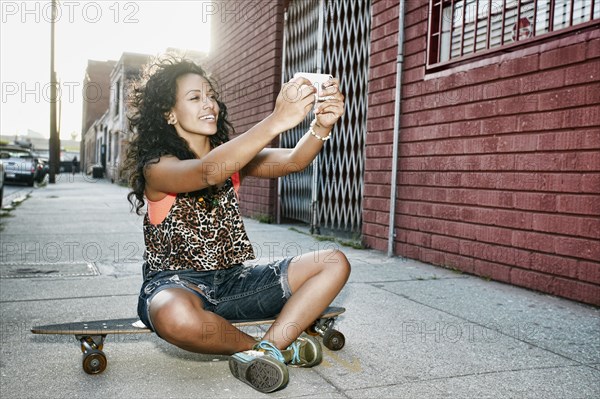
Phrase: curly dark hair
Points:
(151, 98)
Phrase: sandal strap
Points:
(270, 349)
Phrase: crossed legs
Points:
(315, 279)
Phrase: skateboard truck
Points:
(332, 338)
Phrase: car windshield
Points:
(12, 153)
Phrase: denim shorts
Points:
(242, 292)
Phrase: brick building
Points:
(127, 70)
(96, 83)
(498, 161)
(105, 136)
(481, 137)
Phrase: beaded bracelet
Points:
(311, 131)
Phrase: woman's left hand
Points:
(328, 112)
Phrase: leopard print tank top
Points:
(196, 236)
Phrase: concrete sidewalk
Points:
(412, 330)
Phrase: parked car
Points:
(43, 168)
(1, 183)
(19, 163)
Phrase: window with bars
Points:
(461, 28)
(117, 97)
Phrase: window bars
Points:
(458, 28)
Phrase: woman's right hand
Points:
(294, 102)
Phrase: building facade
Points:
(127, 70)
(92, 144)
(498, 155)
(105, 139)
(96, 83)
(480, 146)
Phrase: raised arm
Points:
(277, 162)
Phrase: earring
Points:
(172, 120)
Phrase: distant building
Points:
(32, 139)
(96, 91)
(106, 135)
(127, 70)
(91, 147)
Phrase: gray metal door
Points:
(329, 37)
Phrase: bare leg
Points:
(179, 317)
(315, 280)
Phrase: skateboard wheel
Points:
(334, 340)
(94, 362)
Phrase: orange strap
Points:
(235, 179)
(158, 210)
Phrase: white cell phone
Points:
(317, 79)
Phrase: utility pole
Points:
(54, 155)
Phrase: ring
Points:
(326, 98)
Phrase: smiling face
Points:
(196, 110)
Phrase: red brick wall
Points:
(97, 92)
(245, 58)
(380, 123)
(499, 168)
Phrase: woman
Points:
(182, 163)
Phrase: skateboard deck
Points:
(91, 334)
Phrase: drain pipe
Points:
(397, 107)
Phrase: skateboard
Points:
(92, 334)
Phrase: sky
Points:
(98, 30)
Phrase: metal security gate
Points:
(329, 37)
(301, 40)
